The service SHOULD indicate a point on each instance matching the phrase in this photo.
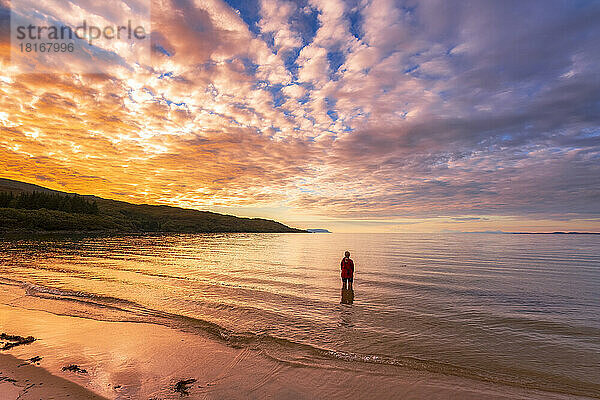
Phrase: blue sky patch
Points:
(249, 11)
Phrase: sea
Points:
(513, 309)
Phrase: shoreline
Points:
(116, 233)
(142, 360)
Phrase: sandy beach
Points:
(125, 360)
(22, 380)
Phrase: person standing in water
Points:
(347, 266)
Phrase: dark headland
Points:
(26, 207)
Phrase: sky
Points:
(354, 116)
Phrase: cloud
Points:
(466, 219)
(276, 16)
(359, 110)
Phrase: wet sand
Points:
(125, 360)
(24, 381)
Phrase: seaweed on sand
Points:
(15, 340)
(74, 368)
(183, 386)
(31, 361)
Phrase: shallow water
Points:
(521, 310)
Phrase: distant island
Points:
(527, 233)
(555, 233)
(27, 207)
(318, 231)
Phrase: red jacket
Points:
(347, 266)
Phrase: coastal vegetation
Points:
(26, 207)
(50, 201)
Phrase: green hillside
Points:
(50, 210)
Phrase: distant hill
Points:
(317, 230)
(119, 216)
(8, 185)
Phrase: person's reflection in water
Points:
(347, 296)
(346, 319)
